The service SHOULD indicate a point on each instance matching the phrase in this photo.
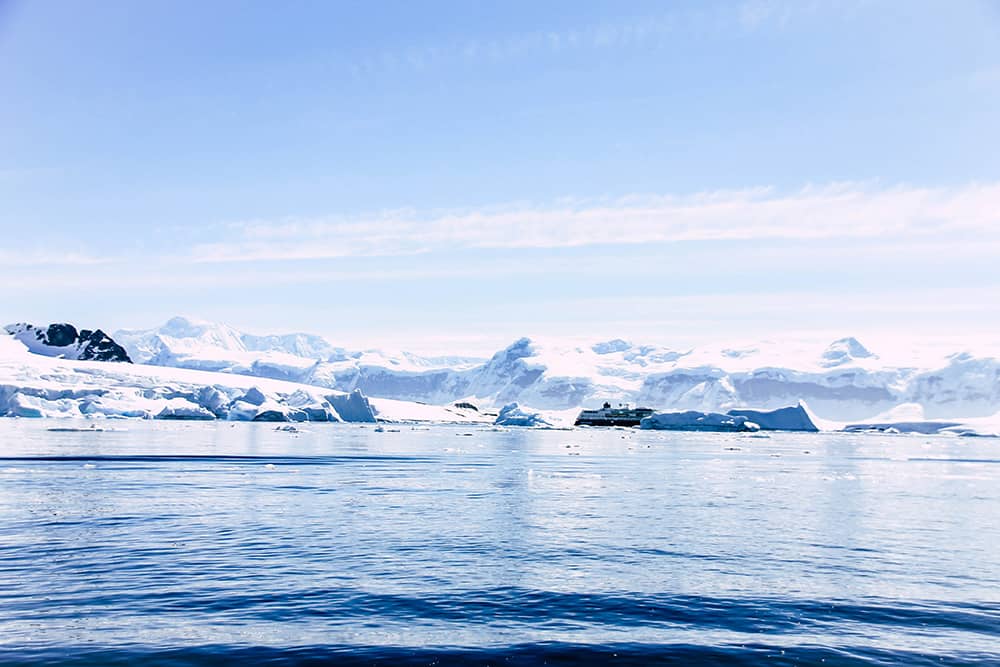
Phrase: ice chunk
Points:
(783, 419)
(514, 415)
(692, 420)
(921, 427)
(254, 396)
(352, 407)
(241, 411)
(316, 409)
(25, 406)
(213, 399)
(183, 409)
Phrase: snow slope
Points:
(33, 385)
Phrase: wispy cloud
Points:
(638, 32)
(838, 211)
(46, 258)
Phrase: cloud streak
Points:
(650, 31)
(46, 258)
(849, 211)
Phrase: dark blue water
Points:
(177, 544)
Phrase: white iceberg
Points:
(183, 409)
(794, 418)
(692, 420)
(514, 415)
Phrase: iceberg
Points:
(692, 420)
(514, 415)
(182, 409)
(919, 427)
(794, 418)
(353, 407)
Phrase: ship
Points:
(623, 415)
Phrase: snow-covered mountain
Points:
(840, 380)
(188, 343)
(45, 385)
(63, 340)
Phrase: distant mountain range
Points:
(59, 371)
(841, 380)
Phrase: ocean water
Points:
(203, 544)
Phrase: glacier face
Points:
(34, 385)
(842, 380)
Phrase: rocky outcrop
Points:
(64, 340)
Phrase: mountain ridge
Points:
(841, 380)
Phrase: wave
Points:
(517, 606)
(517, 655)
(213, 458)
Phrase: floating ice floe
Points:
(910, 419)
(692, 420)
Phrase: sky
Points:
(449, 176)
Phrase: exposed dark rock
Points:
(98, 346)
(63, 340)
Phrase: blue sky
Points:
(450, 175)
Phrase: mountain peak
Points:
(180, 326)
(522, 347)
(845, 350)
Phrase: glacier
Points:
(306, 377)
(840, 380)
(34, 385)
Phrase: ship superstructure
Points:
(623, 415)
